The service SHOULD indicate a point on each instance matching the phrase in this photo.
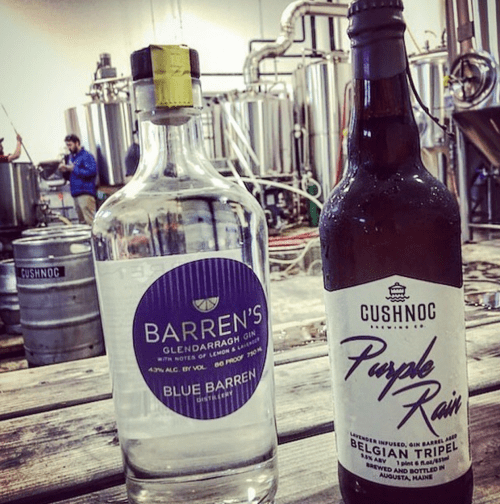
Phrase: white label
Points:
(198, 330)
(397, 351)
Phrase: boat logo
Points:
(397, 293)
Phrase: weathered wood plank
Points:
(288, 337)
(11, 345)
(485, 447)
(45, 454)
(61, 385)
(13, 364)
(308, 475)
(77, 452)
(56, 386)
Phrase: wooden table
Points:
(58, 439)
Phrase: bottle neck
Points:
(384, 136)
(166, 149)
(171, 141)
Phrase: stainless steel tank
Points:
(260, 127)
(477, 105)
(76, 122)
(20, 195)
(319, 98)
(110, 130)
(58, 302)
(105, 124)
(106, 130)
(429, 72)
(9, 300)
(475, 80)
(215, 125)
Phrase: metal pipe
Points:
(465, 28)
(313, 36)
(480, 9)
(293, 11)
(16, 132)
(295, 41)
(331, 31)
(451, 32)
(461, 160)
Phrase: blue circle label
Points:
(200, 337)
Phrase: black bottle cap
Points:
(140, 62)
(363, 5)
(376, 29)
(375, 16)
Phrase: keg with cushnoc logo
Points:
(9, 300)
(58, 302)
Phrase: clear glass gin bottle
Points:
(182, 272)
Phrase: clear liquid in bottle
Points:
(182, 272)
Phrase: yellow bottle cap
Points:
(172, 76)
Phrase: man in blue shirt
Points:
(82, 170)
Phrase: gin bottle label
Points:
(198, 328)
(397, 350)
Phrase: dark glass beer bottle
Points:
(391, 251)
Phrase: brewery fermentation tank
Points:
(108, 128)
(20, 195)
(474, 49)
(259, 127)
(475, 81)
(429, 72)
(76, 122)
(319, 91)
(105, 124)
(215, 124)
(110, 133)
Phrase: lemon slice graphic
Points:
(206, 304)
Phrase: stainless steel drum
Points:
(9, 300)
(319, 97)
(20, 195)
(58, 298)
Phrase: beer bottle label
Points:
(397, 350)
(194, 330)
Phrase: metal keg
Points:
(58, 229)
(9, 300)
(58, 302)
